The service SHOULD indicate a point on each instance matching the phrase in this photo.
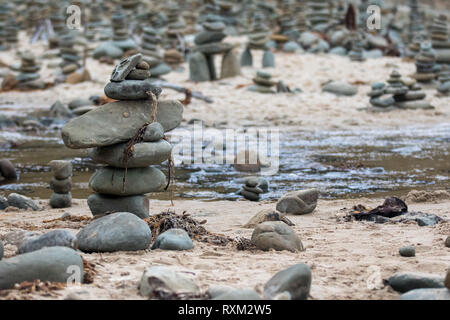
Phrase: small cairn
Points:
(425, 63)
(318, 14)
(128, 137)
(95, 20)
(258, 39)
(69, 55)
(357, 52)
(444, 81)
(287, 22)
(253, 188)
(439, 33)
(61, 184)
(399, 93)
(152, 52)
(28, 78)
(4, 14)
(58, 19)
(299, 10)
(263, 83)
(11, 33)
(208, 43)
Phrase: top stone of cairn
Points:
(123, 69)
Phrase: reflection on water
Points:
(339, 163)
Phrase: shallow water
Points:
(341, 164)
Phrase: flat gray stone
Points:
(124, 67)
(121, 231)
(340, 88)
(118, 122)
(296, 280)
(406, 281)
(54, 264)
(230, 65)
(131, 90)
(408, 251)
(101, 204)
(208, 36)
(173, 239)
(268, 60)
(249, 195)
(298, 202)
(22, 202)
(426, 294)
(198, 68)
(166, 279)
(239, 294)
(144, 154)
(276, 235)
(107, 49)
(54, 238)
(138, 181)
(3, 203)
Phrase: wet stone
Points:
(22, 202)
(406, 281)
(296, 280)
(100, 204)
(173, 239)
(61, 169)
(55, 238)
(61, 200)
(408, 251)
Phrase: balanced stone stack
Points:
(287, 22)
(258, 39)
(439, 33)
(318, 14)
(357, 52)
(425, 63)
(208, 44)
(69, 55)
(253, 188)
(57, 17)
(400, 93)
(175, 28)
(95, 20)
(11, 33)
(29, 73)
(416, 24)
(444, 81)
(128, 137)
(152, 52)
(299, 10)
(61, 184)
(263, 83)
(121, 38)
(4, 14)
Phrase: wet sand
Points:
(344, 257)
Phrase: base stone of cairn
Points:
(208, 44)
(61, 184)
(106, 131)
(258, 39)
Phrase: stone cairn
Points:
(4, 14)
(128, 137)
(69, 55)
(439, 33)
(299, 10)
(263, 83)
(28, 78)
(258, 39)
(399, 93)
(357, 52)
(152, 52)
(444, 81)
(415, 19)
(58, 20)
(61, 184)
(253, 188)
(425, 63)
(95, 20)
(11, 33)
(208, 43)
(287, 21)
(318, 14)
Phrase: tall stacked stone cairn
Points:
(257, 40)
(69, 54)
(11, 33)
(263, 83)
(28, 78)
(175, 27)
(300, 10)
(208, 43)
(58, 19)
(398, 93)
(61, 184)
(152, 52)
(440, 39)
(318, 14)
(4, 14)
(287, 22)
(444, 81)
(128, 137)
(120, 23)
(413, 48)
(415, 19)
(425, 63)
(357, 51)
(95, 20)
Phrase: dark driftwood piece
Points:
(194, 94)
